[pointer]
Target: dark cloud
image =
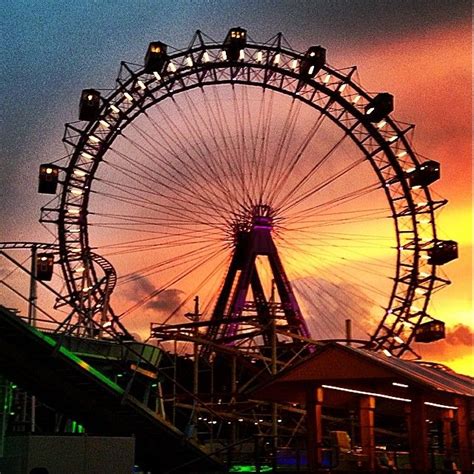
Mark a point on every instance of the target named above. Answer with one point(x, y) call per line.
point(458, 343)
point(460, 335)
point(165, 301)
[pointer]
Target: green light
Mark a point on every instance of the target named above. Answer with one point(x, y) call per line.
point(249, 468)
point(73, 427)
point(79, 361)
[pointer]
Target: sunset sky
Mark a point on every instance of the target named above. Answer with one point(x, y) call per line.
point(420, 51)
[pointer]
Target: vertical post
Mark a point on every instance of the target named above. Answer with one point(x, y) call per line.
point(274, 369)
point(447, 419)
point(463, 433)
point(418, 434)
point(367, 434)
point(233, 390)
point(33, 289)
point(348, 332)
point(314, 428)
point(196, 366)
point(32, 321)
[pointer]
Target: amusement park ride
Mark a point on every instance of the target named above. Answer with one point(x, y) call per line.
point(199, 167)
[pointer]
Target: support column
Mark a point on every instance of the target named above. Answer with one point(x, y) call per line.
point(367, 434)
point(314, 427)
point(418, 435)
point(463, 432)
point(447, 418)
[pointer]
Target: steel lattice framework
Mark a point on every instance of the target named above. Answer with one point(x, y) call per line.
point(332, 92)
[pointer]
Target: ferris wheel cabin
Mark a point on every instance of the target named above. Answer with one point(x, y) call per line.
point(48, 179)
point(430, 332)
point(44, 266)
point(424, 174)
point(313, 60)
point(156, 57)
point(235, 40)
point(89, 105)
point(380, 106)
point(443, 251)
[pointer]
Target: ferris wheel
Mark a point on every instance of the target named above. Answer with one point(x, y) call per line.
point(171, 173)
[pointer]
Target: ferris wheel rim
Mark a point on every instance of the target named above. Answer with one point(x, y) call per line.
point(209, 66)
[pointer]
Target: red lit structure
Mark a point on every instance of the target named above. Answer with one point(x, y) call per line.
point(374, 384)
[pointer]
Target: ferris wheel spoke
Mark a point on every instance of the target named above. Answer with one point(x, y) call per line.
point(166, 184)
point(283, 173)
point(186, 173)
point(219, 268)
point(289, 198)
point(170, 283)
point(336, 202)
point(218, 164)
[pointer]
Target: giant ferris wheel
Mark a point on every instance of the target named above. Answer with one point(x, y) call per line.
point(247, 173)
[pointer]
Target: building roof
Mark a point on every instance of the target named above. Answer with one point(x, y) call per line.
point(336, 363)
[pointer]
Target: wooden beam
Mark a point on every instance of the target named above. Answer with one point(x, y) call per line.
point(314, 406)
point(462, 415)
point(367, 434)
point(418, 435)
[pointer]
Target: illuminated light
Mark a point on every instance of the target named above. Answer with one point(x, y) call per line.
point(276, 59)
point(128, 96)
point(370, 110)
point(312, 53)
point(356, 99)
point(157, 76)
point(94, 139)
point(361, 392)
point(409, 170)
point(343, 86)
point(86, 289)
point(279, 420)
point(425, 257)
point(393, 138)
point(421, 204)
point(424, 274)
point(294, 64)
point(399, 340)
point(256, 423)
point(439, 405)
point(205, 57)
point(398, 384)
point(418, 186)
point(79, 270)
point(260, 421)
point(242, 55)
point(387, 353)
point(86, 155)
point(311, 70)
point(104, 124)
point(381, 124)
point(402, 154)
point(327, 78)
point(421, 291)
point(114, 109)
point(171, 67)
point(73, 231)
point(76, 191)
point(259, 57)
point(75, 250)
point(73, 211)
point(79, 173)
point(49, 170)
point(240, 420)
point(214, 422)
point(229, 422)
point(189, 61)
point(224, 55)
point(141, 85)
point(424, 221)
